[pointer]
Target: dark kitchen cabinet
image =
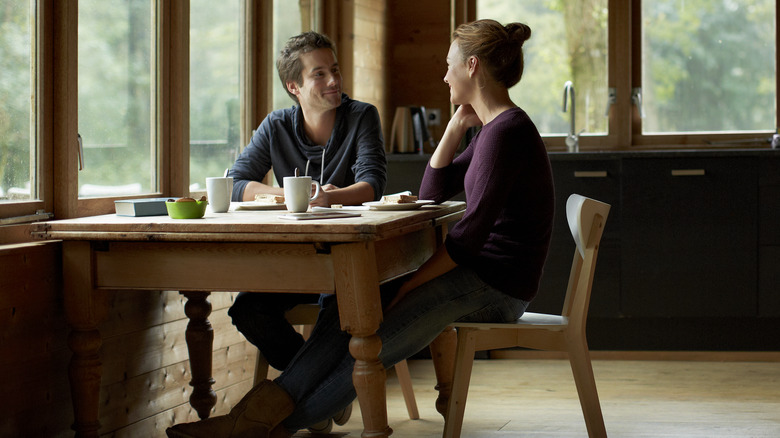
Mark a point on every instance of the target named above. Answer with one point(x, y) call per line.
point(689, 240)
point(598, 179)
point(690, 256)
point(769, 238)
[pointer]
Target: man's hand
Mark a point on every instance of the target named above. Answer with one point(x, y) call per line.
point(356, 194)
point(324, 199)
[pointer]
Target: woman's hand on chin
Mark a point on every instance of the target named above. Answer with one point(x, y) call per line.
point(466, 117)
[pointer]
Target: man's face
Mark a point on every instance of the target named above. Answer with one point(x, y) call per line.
point(320, 88)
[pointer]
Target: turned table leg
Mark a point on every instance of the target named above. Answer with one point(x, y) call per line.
point(200, 342)
point(84, 372)
point(85, 308)
point(360, 311)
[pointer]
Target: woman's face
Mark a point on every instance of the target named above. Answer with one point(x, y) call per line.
point(457, 76)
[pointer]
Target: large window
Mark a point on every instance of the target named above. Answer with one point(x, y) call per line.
point(215, 108)
point(678, 72)
point(18, 102)
point(568, 44)
point(708, 65)
point(116, 100)
point(107, 72)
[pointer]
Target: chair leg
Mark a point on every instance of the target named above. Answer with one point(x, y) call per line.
point(581, 367)
point(405, 379)
point(464, 361)
point(261, 368)
point(443, 355)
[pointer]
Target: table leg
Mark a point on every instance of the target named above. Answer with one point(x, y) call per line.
point(85, 308)
point(360, 311)
point(443, 355)
point(200, 342)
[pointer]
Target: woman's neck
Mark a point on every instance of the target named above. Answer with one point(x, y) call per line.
point(490, 102)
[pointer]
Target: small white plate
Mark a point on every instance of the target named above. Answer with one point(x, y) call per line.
point(379, 205)
point(254, 205)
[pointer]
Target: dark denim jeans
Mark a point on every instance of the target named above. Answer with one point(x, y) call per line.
point(319, 378)
point(260, 318)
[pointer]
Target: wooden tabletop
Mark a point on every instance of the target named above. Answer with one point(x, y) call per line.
point(250, 226)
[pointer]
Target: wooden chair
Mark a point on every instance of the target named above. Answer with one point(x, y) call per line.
point(306, 315)
point(564, 332)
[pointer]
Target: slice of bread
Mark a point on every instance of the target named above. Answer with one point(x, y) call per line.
point(267, 198)
point(399, 199)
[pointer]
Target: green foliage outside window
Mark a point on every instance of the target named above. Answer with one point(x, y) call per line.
point(17, 152)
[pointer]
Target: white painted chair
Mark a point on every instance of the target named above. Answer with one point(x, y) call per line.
point(564, 332)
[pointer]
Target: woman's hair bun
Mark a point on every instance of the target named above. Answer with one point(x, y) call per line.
point(518, 32)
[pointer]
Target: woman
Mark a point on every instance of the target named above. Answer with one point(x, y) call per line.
point(488, 269)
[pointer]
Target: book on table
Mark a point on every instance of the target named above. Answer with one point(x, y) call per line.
point(141, 207)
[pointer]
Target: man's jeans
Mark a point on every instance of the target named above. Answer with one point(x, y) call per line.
point(260, 318)
point(319, 378)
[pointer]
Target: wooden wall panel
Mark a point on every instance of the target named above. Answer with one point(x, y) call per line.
point(418, 41)
point(145, 386)
point(33, 351)
point(368, 75)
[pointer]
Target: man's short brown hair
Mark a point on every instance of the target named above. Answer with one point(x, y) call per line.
point(289, 65)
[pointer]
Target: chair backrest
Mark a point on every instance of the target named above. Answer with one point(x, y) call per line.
point(586, 218)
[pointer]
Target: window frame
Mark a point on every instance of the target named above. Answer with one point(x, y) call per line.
point(43, 90)
point(57, 112)
point(625, 125)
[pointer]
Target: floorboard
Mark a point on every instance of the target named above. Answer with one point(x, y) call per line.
point(639, 398)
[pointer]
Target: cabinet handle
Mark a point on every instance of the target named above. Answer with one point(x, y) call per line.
point(687, 172)
point(590, 174)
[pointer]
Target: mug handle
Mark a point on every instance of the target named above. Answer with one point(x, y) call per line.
point(316, 191)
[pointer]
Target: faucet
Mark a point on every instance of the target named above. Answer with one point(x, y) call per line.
point(572, 140)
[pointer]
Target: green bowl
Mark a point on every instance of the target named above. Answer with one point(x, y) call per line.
point(186, 210)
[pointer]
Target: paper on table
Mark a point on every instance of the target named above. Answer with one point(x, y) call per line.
point(332, 214)
point(346, 207)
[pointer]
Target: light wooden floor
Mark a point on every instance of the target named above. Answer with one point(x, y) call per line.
point(639, 398)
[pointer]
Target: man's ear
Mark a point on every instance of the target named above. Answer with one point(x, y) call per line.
point(292, 87)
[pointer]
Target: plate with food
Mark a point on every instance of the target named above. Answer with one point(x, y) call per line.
point(397, 202)
point(263, 202)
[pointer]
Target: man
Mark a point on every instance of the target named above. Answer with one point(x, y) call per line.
point(326, 122)
point(337, 140)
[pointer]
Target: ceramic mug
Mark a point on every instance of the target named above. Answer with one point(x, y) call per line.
point(297, 193)
point(219, 191)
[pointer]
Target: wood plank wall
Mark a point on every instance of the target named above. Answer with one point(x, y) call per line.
point(418, 41)
point(145, 386)
point(370, 60)
point(33, 343)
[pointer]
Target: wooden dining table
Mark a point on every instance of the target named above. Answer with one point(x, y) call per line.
point(241, 250)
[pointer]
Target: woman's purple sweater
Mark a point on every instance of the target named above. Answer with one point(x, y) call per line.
point(505, 232)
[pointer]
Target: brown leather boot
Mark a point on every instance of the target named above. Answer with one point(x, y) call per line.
point(280, 432)
point(256, 415)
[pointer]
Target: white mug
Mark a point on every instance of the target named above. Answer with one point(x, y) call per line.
point(219, 190)
point(297, 193)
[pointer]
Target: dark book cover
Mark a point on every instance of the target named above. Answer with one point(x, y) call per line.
point(141, 207)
